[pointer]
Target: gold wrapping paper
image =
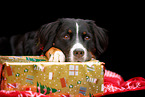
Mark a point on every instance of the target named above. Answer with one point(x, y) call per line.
point(25, 73)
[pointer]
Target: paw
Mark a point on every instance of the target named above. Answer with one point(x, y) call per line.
point(55, 55)
point(58, 56)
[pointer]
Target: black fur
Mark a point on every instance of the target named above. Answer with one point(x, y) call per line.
point(101, 38)
point(31, 43)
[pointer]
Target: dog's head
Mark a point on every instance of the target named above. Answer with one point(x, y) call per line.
point(78, 39)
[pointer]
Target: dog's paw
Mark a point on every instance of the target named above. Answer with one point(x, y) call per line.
point(58, 56)
point(55, 55)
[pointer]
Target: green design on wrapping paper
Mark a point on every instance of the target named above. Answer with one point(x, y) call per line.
point(34, 59)
point(91, 95)
point(87, 77)
point(18, 74)
point(71, 86)
point(26, 70)
point(44, 89)
point(79, 82)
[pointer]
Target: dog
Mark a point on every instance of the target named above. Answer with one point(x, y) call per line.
point(68, 39)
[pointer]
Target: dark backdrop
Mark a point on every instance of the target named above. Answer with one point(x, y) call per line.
point(125, 54)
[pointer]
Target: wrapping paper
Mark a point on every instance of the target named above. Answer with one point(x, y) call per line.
point(73, 78)
point(113, 83)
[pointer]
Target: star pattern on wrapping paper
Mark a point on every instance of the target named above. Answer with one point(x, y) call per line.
point(79, 82)
point(87, 77)
point(26, 70)
point(17, 75)
point(71, 86)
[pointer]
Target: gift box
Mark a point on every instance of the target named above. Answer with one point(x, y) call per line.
point(35, 73)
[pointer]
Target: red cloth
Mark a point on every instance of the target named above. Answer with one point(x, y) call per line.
point(113, 83)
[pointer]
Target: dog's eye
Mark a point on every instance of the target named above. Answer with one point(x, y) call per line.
point(67, 37)
point(87, 38)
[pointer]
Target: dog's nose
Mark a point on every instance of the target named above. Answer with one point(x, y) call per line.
point(78, 52)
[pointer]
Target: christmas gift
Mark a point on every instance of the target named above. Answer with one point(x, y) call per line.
point(25, 73)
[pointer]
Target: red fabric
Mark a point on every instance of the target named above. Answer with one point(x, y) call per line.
point(113, 83)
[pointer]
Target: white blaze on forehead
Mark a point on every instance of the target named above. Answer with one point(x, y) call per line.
point(77, 32)
point(77, 45)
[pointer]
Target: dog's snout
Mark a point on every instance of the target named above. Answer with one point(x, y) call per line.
point(78, 52)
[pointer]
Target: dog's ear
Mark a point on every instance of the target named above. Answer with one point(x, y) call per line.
point(101, 37)
point(47, 33)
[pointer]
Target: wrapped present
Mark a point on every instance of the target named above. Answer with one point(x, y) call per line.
point(35, 73)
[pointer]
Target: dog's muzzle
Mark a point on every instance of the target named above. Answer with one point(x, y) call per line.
point(78, 53)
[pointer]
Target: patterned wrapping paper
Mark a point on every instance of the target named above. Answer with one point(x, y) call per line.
point(44, 77)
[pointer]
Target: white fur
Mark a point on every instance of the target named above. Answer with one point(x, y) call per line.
point(58, 56)
point(77, 33)
point(76, 45)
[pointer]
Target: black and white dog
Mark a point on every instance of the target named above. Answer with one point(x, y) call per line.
point(78, 39)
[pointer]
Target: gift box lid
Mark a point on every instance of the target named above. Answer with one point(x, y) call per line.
point(24, 59)
point(30, 60)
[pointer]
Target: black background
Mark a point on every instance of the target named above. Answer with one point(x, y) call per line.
point(124, 22)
